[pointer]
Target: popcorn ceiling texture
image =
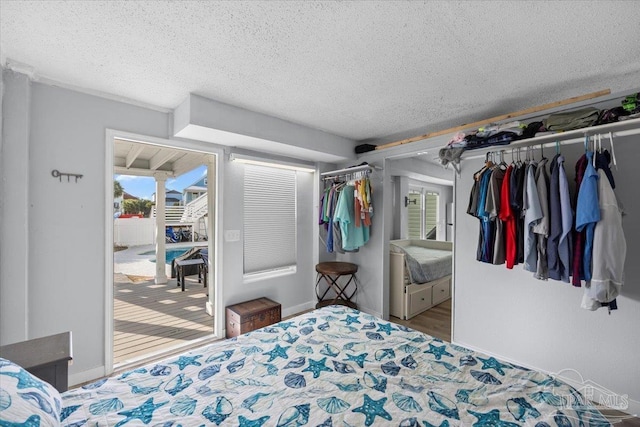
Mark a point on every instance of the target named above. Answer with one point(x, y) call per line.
point(362, 70)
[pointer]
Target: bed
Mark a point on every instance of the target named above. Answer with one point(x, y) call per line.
point(419, 275)
point(334, 366)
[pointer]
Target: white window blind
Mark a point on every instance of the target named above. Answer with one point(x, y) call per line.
point(422, 215)
point(414, 214)
point(431, 214)
point(269, 219)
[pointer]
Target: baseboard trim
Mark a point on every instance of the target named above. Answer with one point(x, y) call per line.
point(296, 309)
point(86, 376)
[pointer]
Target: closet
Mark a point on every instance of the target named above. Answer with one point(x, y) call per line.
point(346, 209)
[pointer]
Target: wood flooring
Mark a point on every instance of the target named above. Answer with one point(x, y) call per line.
point(435, 322)
point(149, 317)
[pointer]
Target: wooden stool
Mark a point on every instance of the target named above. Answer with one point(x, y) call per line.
point(331, 273)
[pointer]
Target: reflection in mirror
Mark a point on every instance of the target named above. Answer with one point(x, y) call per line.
point(422, 199)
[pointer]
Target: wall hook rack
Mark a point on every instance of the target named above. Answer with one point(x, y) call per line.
point(57, 174)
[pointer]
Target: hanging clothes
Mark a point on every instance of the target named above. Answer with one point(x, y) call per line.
point(532, 214)
point(541, 228)
point(588, 212)
point(561, 223)
point(566, 211)
point(492, 206)
point(578, 236)
point(521, 174)
point(609, 250)
point(502, 195)
point(555, 217)
point(485, 242)
point(346, 212)
point(507, 216)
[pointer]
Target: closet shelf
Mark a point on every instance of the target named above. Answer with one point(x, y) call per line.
point(617, 129)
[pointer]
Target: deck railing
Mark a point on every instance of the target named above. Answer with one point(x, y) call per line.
point(190, 213)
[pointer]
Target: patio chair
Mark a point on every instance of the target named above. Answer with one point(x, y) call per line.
point(171, 236)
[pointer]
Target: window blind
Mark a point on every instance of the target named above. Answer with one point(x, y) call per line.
point(430, 212)
point(414, 216)
point(269, 219)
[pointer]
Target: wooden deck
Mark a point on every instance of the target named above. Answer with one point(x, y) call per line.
point(149, 318)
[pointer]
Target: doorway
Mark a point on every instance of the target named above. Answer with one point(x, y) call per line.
point(422, 199)
point(172, 218)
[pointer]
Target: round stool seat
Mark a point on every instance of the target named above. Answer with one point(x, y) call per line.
point(331, 272)
point(336, 267)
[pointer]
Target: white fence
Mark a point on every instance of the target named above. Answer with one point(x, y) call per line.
point(134, 231)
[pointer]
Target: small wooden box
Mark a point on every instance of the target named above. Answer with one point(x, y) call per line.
point(251, 315)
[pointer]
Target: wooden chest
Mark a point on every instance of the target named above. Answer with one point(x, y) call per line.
point(251, 315)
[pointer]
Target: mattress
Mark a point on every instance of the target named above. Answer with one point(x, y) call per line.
point(330, 367)
point(426, 264)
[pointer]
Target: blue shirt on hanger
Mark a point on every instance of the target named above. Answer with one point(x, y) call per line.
point(588, 212)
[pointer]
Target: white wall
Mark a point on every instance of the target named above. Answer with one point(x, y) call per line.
point(14, 210)
point(62, 286)
point(295, 292)
point(540, 323)
point(52, 267)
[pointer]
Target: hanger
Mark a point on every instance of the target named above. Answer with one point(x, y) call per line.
point(519, 163)
point(557, 147)
point(586, 143)
point(503, 165)
point(542, 157)
point(613, 153)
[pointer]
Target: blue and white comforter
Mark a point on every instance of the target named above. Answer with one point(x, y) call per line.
point(330, 367)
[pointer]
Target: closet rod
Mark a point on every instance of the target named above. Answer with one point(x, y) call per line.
point(351, 170)
point(563, 138)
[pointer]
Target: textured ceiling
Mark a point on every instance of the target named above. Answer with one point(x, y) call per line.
point(362, 70)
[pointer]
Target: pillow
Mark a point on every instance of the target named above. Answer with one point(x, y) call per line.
point(26, 399)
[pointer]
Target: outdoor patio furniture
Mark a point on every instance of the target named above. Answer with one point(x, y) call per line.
point(198, 262)
point(189, 254)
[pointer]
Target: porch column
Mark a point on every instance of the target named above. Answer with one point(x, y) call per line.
point(161, 270)
point(212, 185)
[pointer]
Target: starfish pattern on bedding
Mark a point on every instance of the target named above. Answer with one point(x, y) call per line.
point(438, 352)
point(185, 361)
point(387, 328)
point(493, 363)
point(277, 351)
point(143, 412)
point(286, 325)
point(491, 419)
point(372, 408)
point(359, 359)
point(351, 319)
point(317, 366)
